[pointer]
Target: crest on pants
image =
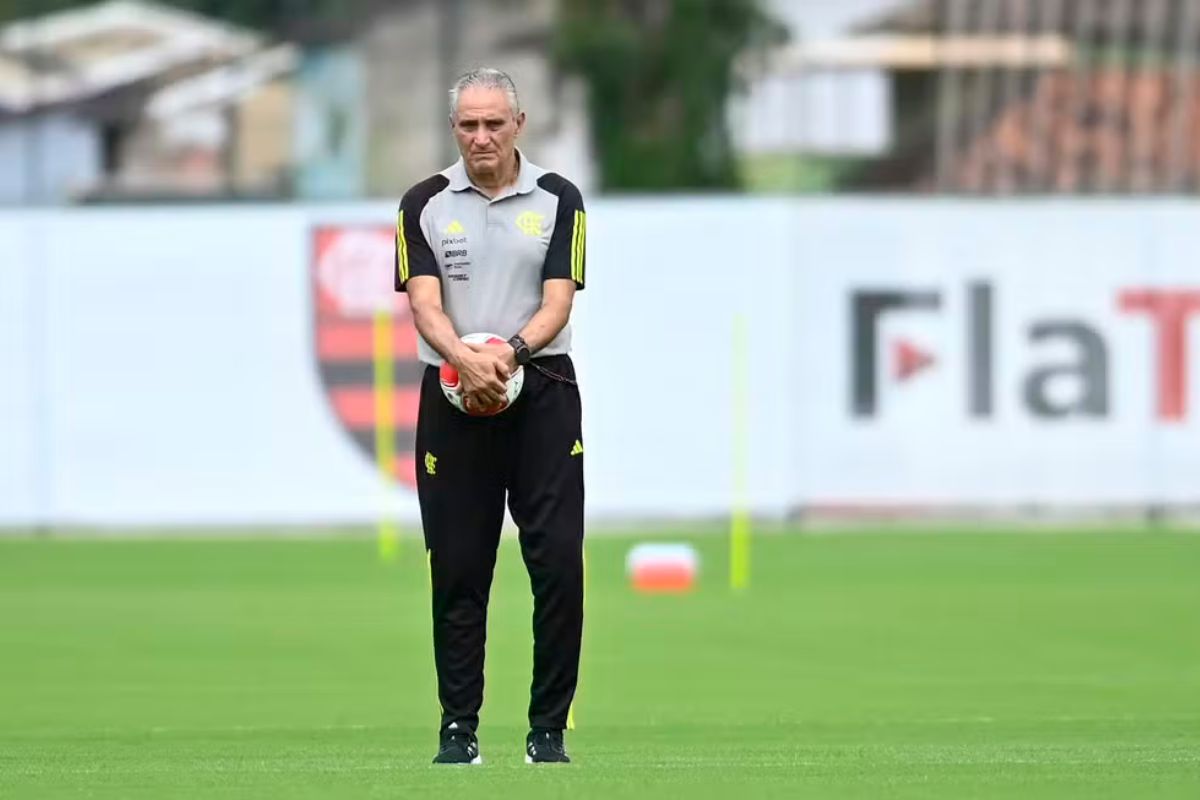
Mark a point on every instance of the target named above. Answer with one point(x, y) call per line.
point(365, 344)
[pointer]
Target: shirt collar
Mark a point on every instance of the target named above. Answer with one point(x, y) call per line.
point(527, 176)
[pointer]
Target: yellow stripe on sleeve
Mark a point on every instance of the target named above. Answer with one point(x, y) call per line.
point(574, 244)
point(401, 248)
point(578, 237)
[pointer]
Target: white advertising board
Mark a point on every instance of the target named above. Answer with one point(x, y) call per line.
point(212, 365)
point(980, 354)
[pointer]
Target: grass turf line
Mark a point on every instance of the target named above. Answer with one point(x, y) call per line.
point(925, 665)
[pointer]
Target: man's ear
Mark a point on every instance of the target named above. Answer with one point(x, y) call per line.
point(520, 122)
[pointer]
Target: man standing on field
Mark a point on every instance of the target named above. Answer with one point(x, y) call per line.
point(495, 244)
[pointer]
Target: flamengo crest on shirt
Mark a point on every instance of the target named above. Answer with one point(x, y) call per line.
point(531, 223)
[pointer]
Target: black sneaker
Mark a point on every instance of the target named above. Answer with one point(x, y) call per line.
point(545, 747)
point(458, 747)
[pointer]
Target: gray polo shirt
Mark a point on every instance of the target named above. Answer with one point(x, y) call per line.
point(492, 254)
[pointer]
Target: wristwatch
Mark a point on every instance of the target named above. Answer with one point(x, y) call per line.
point(521, 349)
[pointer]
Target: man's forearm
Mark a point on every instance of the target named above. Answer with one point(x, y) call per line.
point(436, 329)
point(546, 323)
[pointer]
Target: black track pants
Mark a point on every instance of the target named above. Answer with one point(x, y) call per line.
point(465, 467)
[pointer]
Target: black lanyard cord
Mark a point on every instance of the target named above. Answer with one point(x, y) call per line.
point(552, 375)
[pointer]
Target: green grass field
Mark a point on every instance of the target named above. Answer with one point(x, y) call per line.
point(868, 665)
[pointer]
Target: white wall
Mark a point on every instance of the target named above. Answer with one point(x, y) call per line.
point(158, 365)
point(19, 422)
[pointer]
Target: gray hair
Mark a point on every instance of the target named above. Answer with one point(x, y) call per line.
point(485, 78)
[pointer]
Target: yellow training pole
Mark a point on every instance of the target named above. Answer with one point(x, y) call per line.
point(739, 525)
point(385, 426)
point(571, 708)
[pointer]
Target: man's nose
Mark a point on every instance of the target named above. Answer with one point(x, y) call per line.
point(481, 137)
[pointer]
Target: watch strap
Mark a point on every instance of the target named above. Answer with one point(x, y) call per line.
point(521, 348)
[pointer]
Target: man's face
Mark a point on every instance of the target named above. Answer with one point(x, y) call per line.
point(485, 128)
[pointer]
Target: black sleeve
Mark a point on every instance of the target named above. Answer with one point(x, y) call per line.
point(414, 256)
point(566, 257)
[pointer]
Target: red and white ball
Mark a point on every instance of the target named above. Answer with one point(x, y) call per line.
point(452, 385)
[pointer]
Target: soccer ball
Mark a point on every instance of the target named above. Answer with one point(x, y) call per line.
point(452, 386)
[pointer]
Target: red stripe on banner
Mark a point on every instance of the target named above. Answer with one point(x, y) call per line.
point(356, 406)
point(405, 468)
point(356, 340)
point(327, 305)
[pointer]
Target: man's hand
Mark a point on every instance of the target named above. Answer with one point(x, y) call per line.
point(502, 350)
point(504, 365)
point(484, 371)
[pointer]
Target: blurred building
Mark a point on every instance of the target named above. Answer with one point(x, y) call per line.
point(1058, 96)
point(813, 96)
point(129, 100)
point(412, 50)
point(979, 96)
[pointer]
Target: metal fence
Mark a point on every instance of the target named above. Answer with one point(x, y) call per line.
point(1117, 116)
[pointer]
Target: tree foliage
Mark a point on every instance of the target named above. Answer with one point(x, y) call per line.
point(659, 75)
